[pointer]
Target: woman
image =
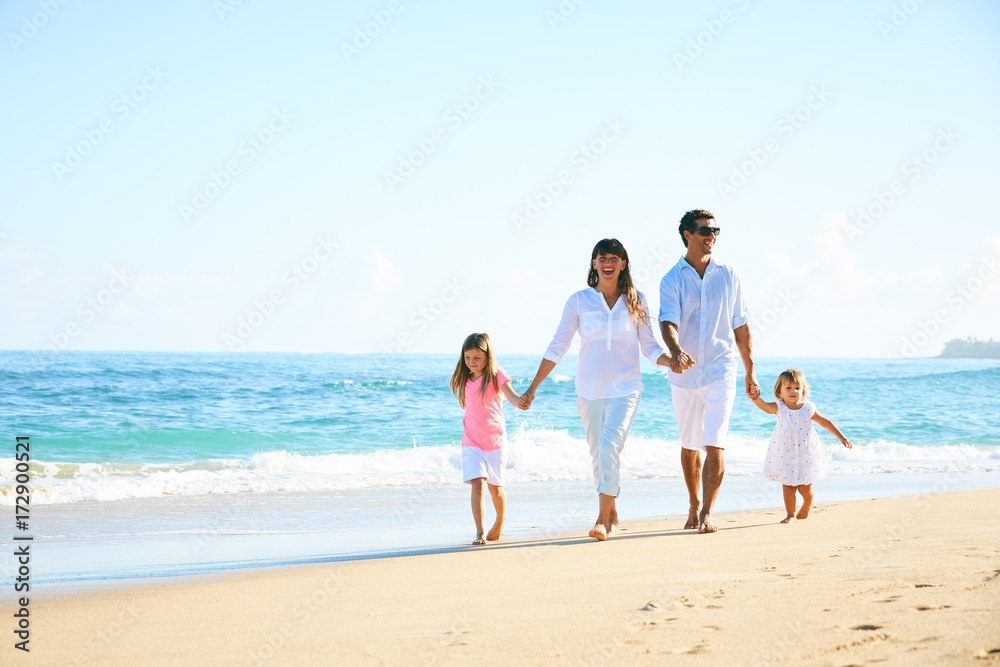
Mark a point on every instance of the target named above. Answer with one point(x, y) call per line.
point(613, 321)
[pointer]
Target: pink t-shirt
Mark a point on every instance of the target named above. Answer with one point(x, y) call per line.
point(484, 426)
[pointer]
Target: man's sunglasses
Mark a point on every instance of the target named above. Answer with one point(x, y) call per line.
point(707, 231)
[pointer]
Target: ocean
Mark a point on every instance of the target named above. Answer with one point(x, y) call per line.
point(153, 464)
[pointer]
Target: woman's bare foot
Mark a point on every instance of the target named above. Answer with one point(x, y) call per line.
point(495, 531)
point(599, 533)
point(612, 523)
point(479, 539)
point(788, 519)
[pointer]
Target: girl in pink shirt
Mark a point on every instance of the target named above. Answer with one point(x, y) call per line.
point(477, 383)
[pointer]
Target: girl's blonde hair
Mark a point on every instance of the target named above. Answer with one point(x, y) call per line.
point(625, 285)
point(476, 341)
point(791, 376)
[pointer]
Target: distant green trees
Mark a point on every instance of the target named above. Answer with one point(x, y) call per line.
point(972, 348)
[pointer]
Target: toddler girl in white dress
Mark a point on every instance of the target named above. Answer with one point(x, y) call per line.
point(795, 455)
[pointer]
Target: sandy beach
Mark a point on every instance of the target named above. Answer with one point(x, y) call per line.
point(902, 581)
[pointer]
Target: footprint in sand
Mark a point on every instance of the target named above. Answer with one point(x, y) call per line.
point(867, 627)
point(891, 598)
point(691, 650)
point(988, 654)
point(926, 608)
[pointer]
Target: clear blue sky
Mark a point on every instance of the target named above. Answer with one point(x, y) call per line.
point(310, 119)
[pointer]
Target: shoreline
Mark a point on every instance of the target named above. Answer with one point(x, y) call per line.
point(905, 580)
point(94, 546)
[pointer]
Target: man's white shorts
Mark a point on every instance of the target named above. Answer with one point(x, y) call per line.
point(490, 464)
point(703, 413)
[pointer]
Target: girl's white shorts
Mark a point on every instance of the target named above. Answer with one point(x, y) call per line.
point(490, 464)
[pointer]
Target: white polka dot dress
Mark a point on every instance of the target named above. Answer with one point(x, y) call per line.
point(795, 454)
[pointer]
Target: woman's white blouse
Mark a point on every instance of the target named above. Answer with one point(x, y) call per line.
point(610, 344)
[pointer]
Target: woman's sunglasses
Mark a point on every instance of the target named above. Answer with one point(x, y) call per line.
point(708, 231)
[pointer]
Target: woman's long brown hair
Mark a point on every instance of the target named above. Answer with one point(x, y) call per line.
point(625, 285)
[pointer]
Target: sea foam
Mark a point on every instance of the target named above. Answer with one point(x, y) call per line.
point(533, 455)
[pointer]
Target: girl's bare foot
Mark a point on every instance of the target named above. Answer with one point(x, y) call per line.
point(479, 539)
point(599, 533)
point(803, 513)
point(495, 531)
point(788, 519)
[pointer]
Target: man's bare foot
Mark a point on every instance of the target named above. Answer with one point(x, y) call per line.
point(788, 519)
point(479, 539)
point(692, 521)
point(706, 525)
point(599, 533)
point(803, 513)
point(495, 531)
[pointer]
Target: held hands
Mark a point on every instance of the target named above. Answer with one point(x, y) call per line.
point(753, 389)
point(526, 399)
point(681, 362)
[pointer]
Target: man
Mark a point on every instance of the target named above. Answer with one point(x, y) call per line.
point(704, 321)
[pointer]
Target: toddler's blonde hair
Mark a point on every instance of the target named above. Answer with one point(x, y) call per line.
point(791, 376)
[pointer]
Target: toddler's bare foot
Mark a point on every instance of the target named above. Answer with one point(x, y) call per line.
point(495, 531)
point(788, 519)
point(479, 539)
point(599, 533)
point(803, 513)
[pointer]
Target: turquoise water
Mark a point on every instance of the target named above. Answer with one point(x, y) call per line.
point(110, 426)
point(167, 464)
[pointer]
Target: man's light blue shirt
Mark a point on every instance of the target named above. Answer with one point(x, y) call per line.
point(705, 310)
